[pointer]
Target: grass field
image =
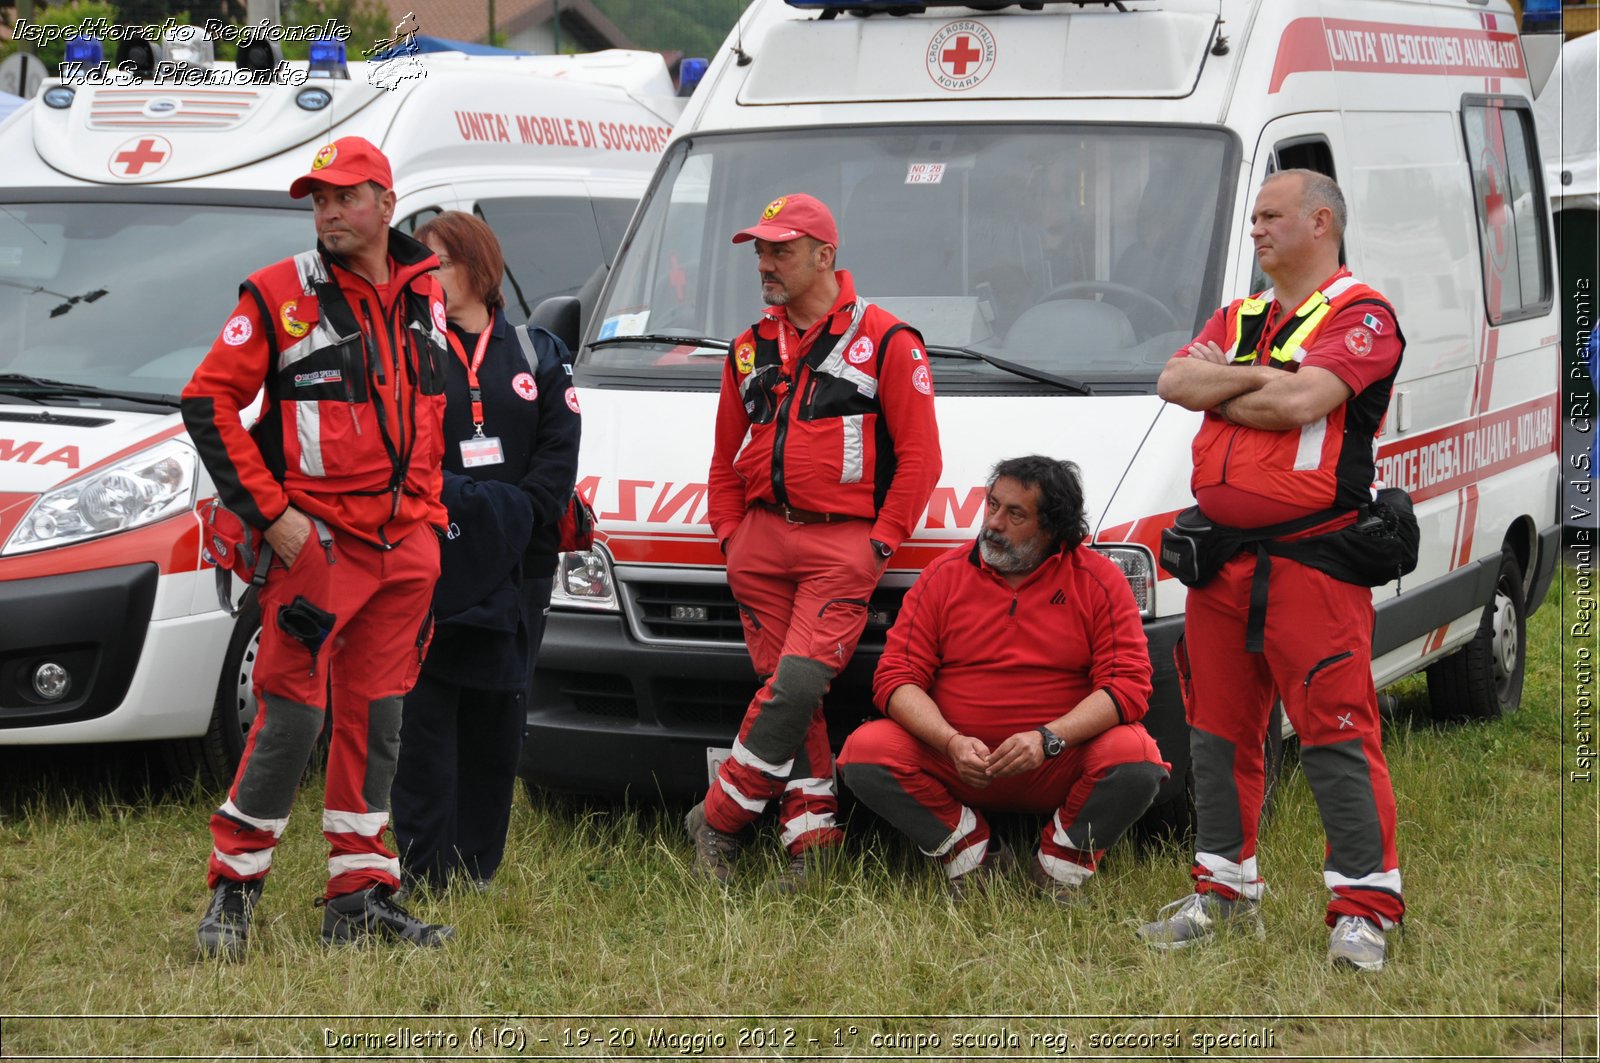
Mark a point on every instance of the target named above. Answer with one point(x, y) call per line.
point(596, 939)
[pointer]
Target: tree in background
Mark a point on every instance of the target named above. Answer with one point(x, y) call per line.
point(693, 27)
point(70, 13)
point(367, 20)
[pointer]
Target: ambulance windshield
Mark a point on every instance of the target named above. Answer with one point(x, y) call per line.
point(1091, 251)
point(126, 297)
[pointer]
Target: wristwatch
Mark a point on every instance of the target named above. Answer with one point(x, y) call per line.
point(883, 549)
point(1053, 745)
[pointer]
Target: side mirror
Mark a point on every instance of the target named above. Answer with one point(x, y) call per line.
point(562, 315)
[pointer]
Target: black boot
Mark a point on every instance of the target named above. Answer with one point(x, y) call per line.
point(353, 916)
point(225, 928)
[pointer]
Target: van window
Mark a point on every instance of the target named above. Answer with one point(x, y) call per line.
point(1297, 153)
point(87, 288)
point(1512, 233)
point(552, 244)
point(1091, 251)
point(412, 222)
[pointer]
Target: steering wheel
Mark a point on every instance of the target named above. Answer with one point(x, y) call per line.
point(1134, 295)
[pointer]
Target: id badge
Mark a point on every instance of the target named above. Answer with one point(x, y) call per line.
point(481, 450)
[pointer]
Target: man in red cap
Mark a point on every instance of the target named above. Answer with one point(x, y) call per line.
point(826, 452)
point(341, 476)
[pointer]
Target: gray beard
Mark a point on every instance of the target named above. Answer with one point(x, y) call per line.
point(1001, 556)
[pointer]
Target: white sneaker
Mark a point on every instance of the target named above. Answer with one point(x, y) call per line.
point(1198, 917)
point(1357, 944)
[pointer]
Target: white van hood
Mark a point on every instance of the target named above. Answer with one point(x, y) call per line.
point(659, 446)
point(44, 446)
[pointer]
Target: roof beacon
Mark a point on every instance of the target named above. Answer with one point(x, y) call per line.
point(328, 60)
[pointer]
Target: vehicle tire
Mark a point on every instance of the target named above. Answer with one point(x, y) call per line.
point(214, 756)
point(1483, 679)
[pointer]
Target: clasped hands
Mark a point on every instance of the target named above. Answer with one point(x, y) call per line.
point(978, 766)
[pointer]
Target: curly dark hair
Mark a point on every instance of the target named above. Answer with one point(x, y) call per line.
point(1060, 487)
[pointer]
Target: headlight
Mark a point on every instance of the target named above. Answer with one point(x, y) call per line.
point(150, 486)
point(583, 581)
point(1140, 569)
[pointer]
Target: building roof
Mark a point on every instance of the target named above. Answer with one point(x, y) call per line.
point(582, 22)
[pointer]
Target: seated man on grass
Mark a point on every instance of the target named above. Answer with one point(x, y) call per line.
point(1014, 680)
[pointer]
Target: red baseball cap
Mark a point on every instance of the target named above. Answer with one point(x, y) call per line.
point(347, 161)
point(790, 217)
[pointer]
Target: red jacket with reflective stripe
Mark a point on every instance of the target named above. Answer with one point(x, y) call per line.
point(1320, 465)
point(998, 660)
point(350, 427)
point(849, 428)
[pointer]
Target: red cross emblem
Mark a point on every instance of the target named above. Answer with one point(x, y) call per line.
point(236, 331)
point(524, 385)
point(133, 158)
point(961, 54)
point(956, 59)
point(1495, 210)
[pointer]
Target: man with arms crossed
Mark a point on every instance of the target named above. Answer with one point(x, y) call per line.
point(1294, 383)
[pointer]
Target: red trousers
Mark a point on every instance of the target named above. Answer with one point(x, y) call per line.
point(370, 659)
point(1096, 790)
point(802, 591)
point(1318, 659)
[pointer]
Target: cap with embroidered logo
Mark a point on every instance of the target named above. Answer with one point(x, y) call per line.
point(791, 217)
point(347, 161)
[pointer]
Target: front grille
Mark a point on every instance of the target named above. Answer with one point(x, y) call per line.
point(697, 701)
point(690, 611)
point(664, 611)
point(600, 695)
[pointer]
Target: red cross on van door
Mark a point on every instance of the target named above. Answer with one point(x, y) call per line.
point(961, 54)
point(140, 157)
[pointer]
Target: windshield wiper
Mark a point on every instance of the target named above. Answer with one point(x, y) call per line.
point(1065, 383)
point(22, 384)
point(660, 337)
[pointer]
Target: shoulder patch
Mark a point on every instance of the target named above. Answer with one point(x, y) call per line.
point(1358, 341)
point(744, 359)
point(237, 330)
point(921, 379)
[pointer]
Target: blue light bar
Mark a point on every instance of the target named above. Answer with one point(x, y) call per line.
point(1541, 16)
point(86, 51)
point(328, 60)
point(690, 73)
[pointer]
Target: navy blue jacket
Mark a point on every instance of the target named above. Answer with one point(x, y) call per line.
point(538, 434)
point(504, 516)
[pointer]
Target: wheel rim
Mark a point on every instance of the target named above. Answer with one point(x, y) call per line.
point(244, 697)
point(1507, 645)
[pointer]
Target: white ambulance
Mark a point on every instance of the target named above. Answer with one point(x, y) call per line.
point(1057, 196)
point(130, 211)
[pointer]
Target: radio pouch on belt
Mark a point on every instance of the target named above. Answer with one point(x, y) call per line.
point(236, 549)
point(1379, 545)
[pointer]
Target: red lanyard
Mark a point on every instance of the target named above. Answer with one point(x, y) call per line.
point(473, 391)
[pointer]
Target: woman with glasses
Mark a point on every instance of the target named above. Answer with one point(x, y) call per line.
point(511, 453)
